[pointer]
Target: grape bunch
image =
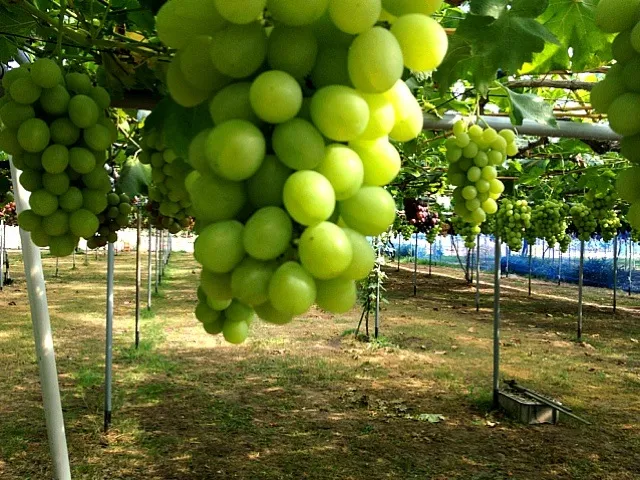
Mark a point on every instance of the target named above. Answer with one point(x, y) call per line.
point(618, 95)
point(168, 192)
point(114, 217)
point(609, 224)
point(402, 227)
point(564, 241)
point(282, 215)
point(488, 227)
point(466, 230)
point(420, 215)
point(548, 222)
point(583, 221)
point(513, 218)
point(57, 130)
point(602, 207)
point(474, 154)
point(8, 214)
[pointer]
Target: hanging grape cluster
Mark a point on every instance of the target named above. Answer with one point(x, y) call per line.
point(474, 154)
point(420, 215)
point(168, 193)
point(582, 221)
point(57, 130)
point(8, 214)
point(282, 216)
point(112, 219)
point(602, 207)
point(466, 230)
point(618, 96)
point(402, 227)
point(513, 219)
point(548, 222)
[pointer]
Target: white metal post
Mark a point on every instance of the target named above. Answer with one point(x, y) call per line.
point(149, 266)
point(2, 243)
point(580, 287)
point(109, 338)
point(138, 276)
point(615, 273)
point(43, 337)
point(496, 322)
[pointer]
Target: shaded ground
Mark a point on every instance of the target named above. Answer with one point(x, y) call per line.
point(309, 401)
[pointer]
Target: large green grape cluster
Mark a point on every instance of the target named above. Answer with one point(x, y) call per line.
point(168, 190)
point(58, 132)
point(466, 230)
point(602, 207)
point(291, 177)
point(474, 154)
point(548, 222)
point(488, 227)
point(114, 217)
point(583, 221)
point(514, 218)
point(618, 95)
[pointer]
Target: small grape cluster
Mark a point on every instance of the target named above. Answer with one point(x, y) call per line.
point(474, 154)
point(168, 174)
point(113, 218)
point(564, 241)
point(602, 207)
point(57, 129)
point(283, 216)
point(466, 230)
point(609, 224)
point(8, 214)
point(402, 227)
point(514, 218)
point(582, 221)
point(488, 227)
point(548, 222)
point(419, 214)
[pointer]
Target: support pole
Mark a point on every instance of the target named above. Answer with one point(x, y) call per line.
point(157, 260)
point(73, 260)
point(398, 251)
point(138, 275)
point(86, 255)
point(56, 274)
point(559, 267)
point(631, 262)
point(109, 338)
point(415, 268)
point(161, 258)
point(430, 256)
point(2, 242)
point(478, 274)
point(507, 265)
point(530, 258)
point(377, 314)
point(580, 286)
point(43, 337)
point(149, 266)
point(615, 273)
point(496, 323)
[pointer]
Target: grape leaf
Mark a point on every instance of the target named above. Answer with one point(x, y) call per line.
point(495, 35)
point(135, 178)
point(574, 25)
point(531, 107)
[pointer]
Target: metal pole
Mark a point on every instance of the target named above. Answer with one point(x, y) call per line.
point(398, 252)
point(478, 274)
point(496, 323)
point(138, 276)
point(149, 267)
point(530, 258)
point(2, 243)
point(615, 273)
point(559, 267)
point(43, 337)
point(430, 256)
point(377, 316)
point(56, 274)
point(109, 338)
point(161, 257)
point(86, 255)
point(580, 285)
point(631, 262)
point(507, 265)
point(157, 260)
point(415, 269)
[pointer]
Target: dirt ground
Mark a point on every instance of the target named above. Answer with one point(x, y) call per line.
point(308, 400)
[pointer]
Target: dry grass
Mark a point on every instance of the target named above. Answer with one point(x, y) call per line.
point(309, 401)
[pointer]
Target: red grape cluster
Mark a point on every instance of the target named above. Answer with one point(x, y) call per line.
point(8, 214)
point(420, 215)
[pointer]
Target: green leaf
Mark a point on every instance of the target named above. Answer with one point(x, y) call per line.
point(500, 39)
point(134, 178)
point(531, 107)
point(573, 23)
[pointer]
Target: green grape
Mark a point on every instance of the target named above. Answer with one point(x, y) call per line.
point(239, 312)
point(56, 183)
point(343, 168)
point(265, 187)
point(292, 50)
point(217, 286)
point(219, 247)
point(331, 67)
point(43, 203)
point(308, 197)
point(240, 11)
point(613, 16)
point(29, 221)
point(55, 158)
point(31, 180)
point(177, 22)
point(250, 281)
point(93, 200)
point(339, 112)
point(100, 96)
point(55, 100)
point(33, 135)
point(205, 314)
point(404, 7)
point(83, 111)
point(62, 246)
point(380, 159)
point(382, 117)
point(337, 295)
point(298, 144)
point(214, 198)
point(292, 290)
point(628, 183)
point(232, 103)
point(275, 96)
point(269, 314)
point(621, 112)
point(82, 160)
point(24, 90)
point(235, 149)
point(325, 250)
point(375, 61)
point(363, 258)
point(356, 211)
point(218, 305)
point(45, 73)
point(409, 117)
point(40, 238)
point(64, 132)
point(239, 50)
point(78, 82)
point(583, 221)
point(354, 16)
point(183, 93)
point(56, 224)
point(14, 114)
point(422, 40)
point(268, 233)
point(513, 219)
point(235, 332)
point(297, 12)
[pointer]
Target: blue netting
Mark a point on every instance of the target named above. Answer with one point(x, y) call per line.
point(547, 264)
